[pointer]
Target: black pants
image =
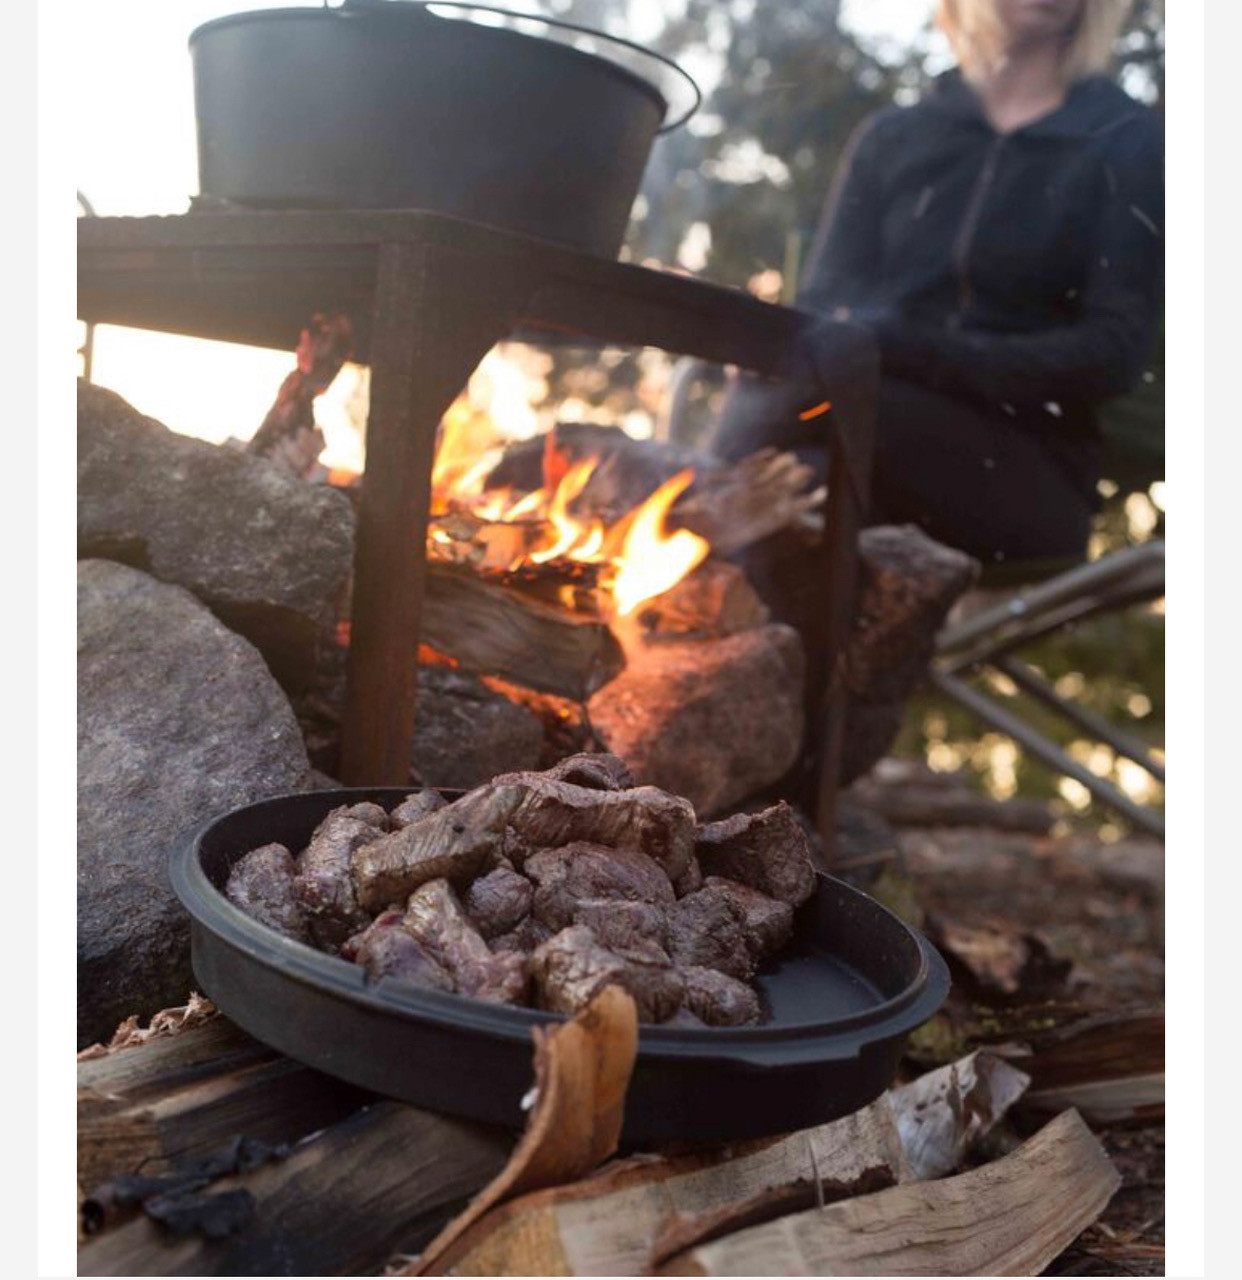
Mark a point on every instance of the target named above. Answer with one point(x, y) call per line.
point(985, 484)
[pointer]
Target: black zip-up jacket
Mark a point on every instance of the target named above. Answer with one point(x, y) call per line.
point(1020, 270)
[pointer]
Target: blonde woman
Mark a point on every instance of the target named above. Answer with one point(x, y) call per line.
point(1002, 239)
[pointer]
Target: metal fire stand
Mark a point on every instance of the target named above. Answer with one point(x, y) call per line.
point(428, 296)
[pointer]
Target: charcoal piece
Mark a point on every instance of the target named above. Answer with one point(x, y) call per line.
point(643, 819)
point(324, 885)
point(435, 918)
point(766, 922)
point(213, 1214)
point(598, 770)
point(705, 930)
point(717, 999)
point(577, 872)
point(454, 843)
point(498, 901)
point(690, 880)
point(571, 967)
point(262, 885)
point(528, 935)
point(386, 949)
point(622, 926)
point(415, 806)
point(768, 851)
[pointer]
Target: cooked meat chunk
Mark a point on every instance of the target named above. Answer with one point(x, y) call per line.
point(705, 930)
point(684, 1020)
point(498, 902)
point(324, 886)
point(766, 922)
point(596, 769)
point(623, 926)
point(415, 806)
point(552, 814)
point(567, 876)
point(768, 851)
point(436, 920)
point(690, 880)
point(572, 967)
point(387, 949)
point(455, 843)
point(372, 814)
point(525, 938)
point(261, 884)
point(719, 1000)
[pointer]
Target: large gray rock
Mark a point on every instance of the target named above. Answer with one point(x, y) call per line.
point(712, 720)
point(465, 733)
point(178, 719)
point(270, 554)
point(908, 582)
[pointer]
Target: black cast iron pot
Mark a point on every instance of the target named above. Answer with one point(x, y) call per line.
point(853, 983)
point(382, 104)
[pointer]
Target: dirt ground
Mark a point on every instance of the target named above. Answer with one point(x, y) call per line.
point(1053, 942)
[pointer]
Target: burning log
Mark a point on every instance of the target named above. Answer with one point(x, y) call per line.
point(716, 599)
point(496, 630)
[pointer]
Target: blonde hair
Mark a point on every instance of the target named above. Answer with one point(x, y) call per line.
point(975, 32)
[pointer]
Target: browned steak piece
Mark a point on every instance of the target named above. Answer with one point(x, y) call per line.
point(498, 902)
point(643, 819)
point(768, 851)
point(435, 918)
point(720, 1001)
point(623, 926)
point(766, 922)
point(525, 938)
point(705, 930)
point(324, 886)
point(572, 967)
point(387, 949)
point(415, 806)
point(261, 884)
point(684, 1020)
point(690, 880)
point(372, 814)
point(567, 876)
point(596, 769)
point(455, 843)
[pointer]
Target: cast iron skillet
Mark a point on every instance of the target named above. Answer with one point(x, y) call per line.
point(854, 982)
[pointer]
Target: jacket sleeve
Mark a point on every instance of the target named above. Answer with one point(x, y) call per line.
point(844, 260)
point(1099, 355)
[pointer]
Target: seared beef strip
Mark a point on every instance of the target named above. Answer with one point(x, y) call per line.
point(387, 949)
point(261, 884)
point(705, 930)
point(572, 967)
point(372, 814)
point(717, 999)
point(768, 851)
point(566, 876)
point(622, 926)
point(456, 842)
point(684, 1020)
point(766, 922)
point(528, 934)
point(436, 920)
point(596, 769)
point(414, 807)
point(498, 901)
point(324, 886)
point(690, 880)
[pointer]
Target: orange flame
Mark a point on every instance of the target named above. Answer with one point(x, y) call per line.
point(652, 560)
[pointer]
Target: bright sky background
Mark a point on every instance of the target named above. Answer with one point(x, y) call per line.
point(136, 154)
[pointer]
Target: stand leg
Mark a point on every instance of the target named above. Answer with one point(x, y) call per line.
point(422, 353)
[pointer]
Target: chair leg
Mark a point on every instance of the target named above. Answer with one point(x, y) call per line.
point(1044, 749)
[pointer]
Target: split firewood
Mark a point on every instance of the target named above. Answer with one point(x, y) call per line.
point(582, 1073)
point(733, 507)
point(1011, 1217)
point(638, 1211)
point(498, 630)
